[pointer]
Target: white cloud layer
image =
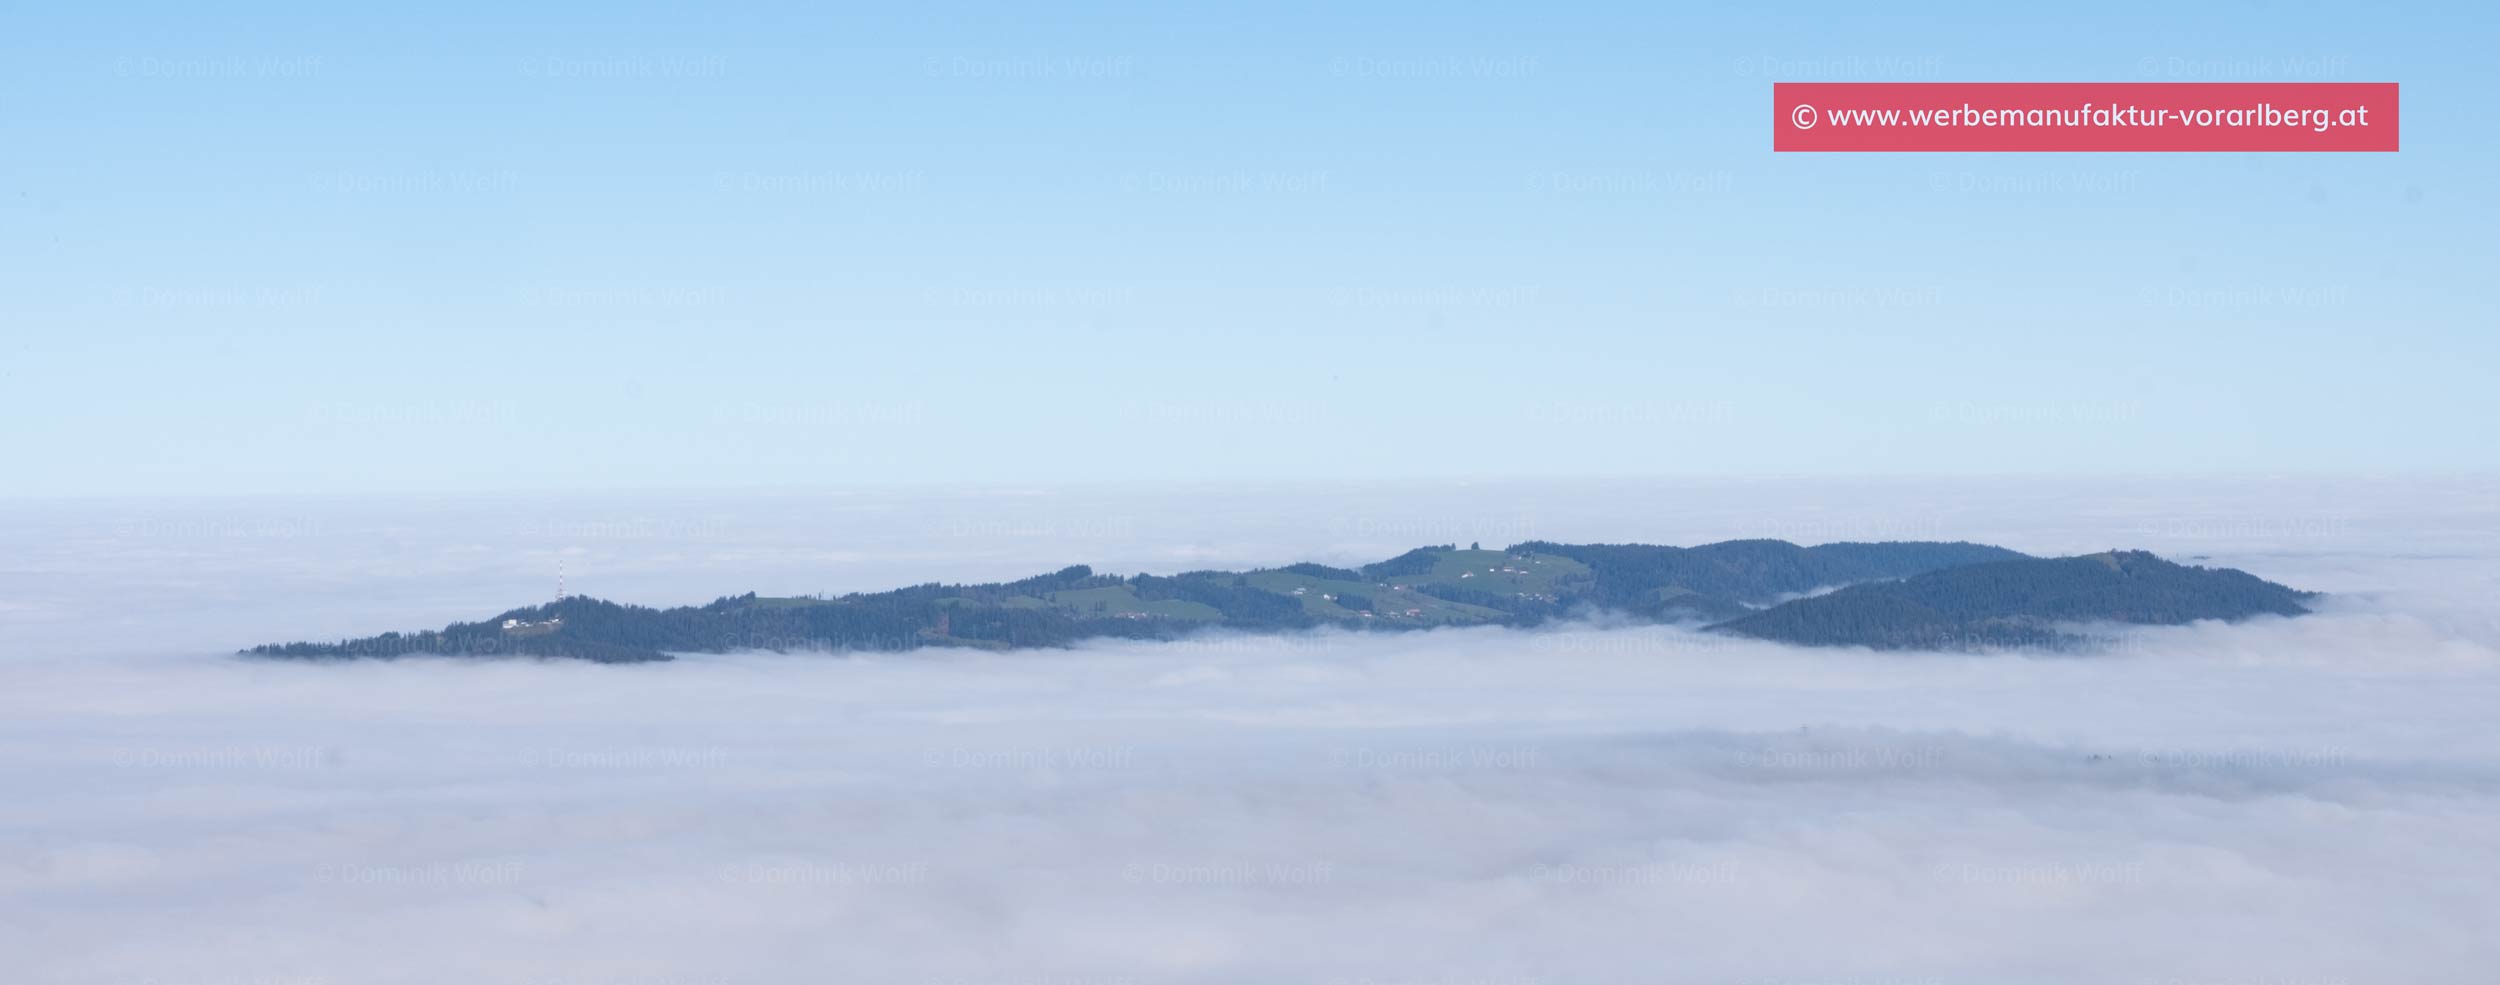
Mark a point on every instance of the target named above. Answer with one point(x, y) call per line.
point(2286, 801)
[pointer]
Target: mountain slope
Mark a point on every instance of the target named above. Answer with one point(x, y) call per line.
point(1423, 588)
point(1652, 580)
point(2019, 603)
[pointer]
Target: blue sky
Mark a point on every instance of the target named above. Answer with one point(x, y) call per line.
point(274, 248)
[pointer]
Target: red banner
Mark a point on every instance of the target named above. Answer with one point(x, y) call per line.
point(2083, 116)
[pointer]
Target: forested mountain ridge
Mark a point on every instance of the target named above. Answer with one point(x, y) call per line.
point(2020, 603)
point(1650, 580)
point(1735, 583)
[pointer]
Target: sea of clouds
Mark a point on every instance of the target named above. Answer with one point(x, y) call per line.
point(2314, 800)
